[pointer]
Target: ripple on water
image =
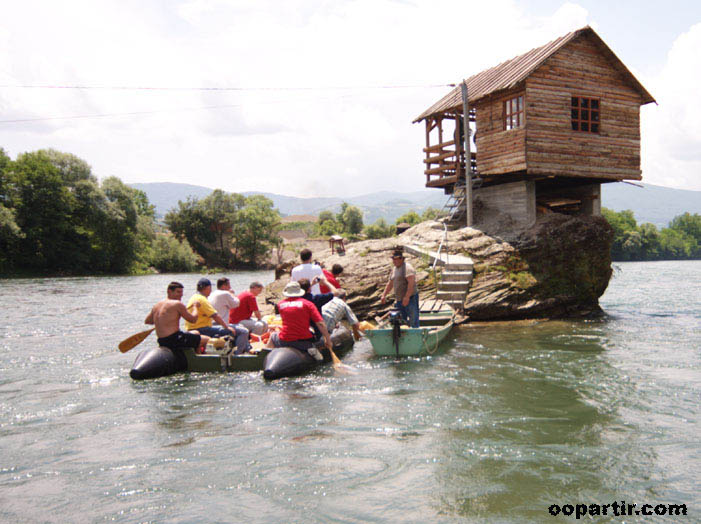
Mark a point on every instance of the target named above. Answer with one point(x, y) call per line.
point(510, 418)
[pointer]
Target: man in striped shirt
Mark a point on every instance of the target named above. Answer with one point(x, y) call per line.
point(336, 310)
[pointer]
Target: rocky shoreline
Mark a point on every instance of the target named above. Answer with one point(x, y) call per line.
point(558, 268)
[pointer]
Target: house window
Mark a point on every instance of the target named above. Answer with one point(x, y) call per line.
point(513, 113)
point(585, 114)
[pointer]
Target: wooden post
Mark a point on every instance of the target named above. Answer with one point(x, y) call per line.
point(468, 154)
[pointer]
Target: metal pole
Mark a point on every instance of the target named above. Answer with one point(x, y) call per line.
point(468, 155)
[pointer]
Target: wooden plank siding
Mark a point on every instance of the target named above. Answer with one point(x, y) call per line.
point(552, 147)
point(498, 151)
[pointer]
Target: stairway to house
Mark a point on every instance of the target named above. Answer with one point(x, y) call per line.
point(456, 277)
point(454, 210)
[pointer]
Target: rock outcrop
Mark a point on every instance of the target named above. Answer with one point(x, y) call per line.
point(557, 268)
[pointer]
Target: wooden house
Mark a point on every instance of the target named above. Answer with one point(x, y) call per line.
point(550, 126)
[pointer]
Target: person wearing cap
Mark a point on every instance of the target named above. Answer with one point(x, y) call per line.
point(206, 313)
point(403, 280)
point(297, 314)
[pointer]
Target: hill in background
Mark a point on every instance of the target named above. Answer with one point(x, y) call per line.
point(383, 204)
point(655, 204)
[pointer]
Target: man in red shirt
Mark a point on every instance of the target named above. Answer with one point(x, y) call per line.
point(297, 313)
point(331, 276)
point(248, 307)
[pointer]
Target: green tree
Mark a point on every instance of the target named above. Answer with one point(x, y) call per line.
point(43, 207)
point(650, 239)
point(327, 224)
point(56, 217)
point(622, 222)
point(10, 232)
point(226, 229)
point(352, 220)
point(325, 215)
point(688, 224)
point(380, 229)
point(172, 255)
point(412, 218)
point(119, 230)
point(256, 231)
point(329, 227)
point(675, 244)
point(430, 213)
point(208, 225)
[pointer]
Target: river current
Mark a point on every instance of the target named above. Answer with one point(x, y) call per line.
point(507, 421)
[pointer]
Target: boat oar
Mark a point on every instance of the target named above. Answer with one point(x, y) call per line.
point(340, 366)
point(134, 340)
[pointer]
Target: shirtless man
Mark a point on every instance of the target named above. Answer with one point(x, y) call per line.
point(166, 314)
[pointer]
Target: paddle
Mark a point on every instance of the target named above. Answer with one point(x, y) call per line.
point(134, 340)
point(340, 366)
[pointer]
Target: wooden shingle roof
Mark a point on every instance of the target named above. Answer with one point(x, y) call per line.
point(509, 74)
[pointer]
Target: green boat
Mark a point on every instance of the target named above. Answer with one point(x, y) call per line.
point(213, 362)
point(394, 341)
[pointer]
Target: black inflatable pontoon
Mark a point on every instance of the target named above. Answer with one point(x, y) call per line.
point(280, 362)
point(289, 362)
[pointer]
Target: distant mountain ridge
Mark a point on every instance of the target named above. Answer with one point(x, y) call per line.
point(655, 204)
point(382, 204)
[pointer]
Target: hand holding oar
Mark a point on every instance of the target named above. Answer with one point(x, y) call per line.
point(134, 340)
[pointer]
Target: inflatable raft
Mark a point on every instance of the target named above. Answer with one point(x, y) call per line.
point(277, 363)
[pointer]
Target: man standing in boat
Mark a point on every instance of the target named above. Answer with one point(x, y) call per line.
point(307, 270)
point(165, 316)
point(403, 280)
point(297, 314)
point(206, 313)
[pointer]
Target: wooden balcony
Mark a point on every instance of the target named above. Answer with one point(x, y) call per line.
point(445, 164)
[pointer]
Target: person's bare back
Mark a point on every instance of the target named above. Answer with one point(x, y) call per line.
point(166, 314)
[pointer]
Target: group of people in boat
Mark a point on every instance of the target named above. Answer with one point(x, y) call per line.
point(314, 304)
point(205, 307)
point(306, 304)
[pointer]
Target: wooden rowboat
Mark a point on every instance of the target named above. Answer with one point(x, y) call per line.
point(425, 340)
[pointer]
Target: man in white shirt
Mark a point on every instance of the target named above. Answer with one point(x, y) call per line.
point(307, 270)
point(224, 299)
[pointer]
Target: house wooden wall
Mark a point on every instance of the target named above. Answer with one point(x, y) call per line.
point(498, 151)
point(552, 148)
point(546, 144)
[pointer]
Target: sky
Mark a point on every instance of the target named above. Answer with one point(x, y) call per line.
point(307, 98)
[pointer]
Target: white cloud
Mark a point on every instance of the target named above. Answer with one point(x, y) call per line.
point(671, 132)
point(295, 142)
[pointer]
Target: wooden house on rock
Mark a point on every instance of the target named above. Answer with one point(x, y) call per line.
point(550, 127)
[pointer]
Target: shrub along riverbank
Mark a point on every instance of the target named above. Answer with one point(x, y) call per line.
point(56, 218)
point(681, 240)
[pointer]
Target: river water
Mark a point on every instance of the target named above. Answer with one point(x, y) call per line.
point(509, 420)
